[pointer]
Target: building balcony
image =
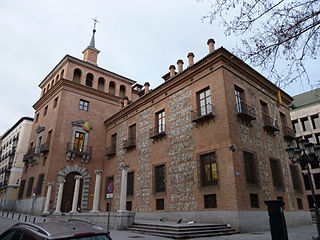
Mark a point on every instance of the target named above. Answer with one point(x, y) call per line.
point(204, 113)
point(157, 132)
point(44, 148)
point(111, 151)
point(129, 144)
point(31, 156)
point(246, 112)
point(270, 125)
point(288, 133)
point(84, 151)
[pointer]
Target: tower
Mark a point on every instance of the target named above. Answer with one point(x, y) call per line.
point(90, 54)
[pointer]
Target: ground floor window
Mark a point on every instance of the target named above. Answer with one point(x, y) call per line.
point(160, 204)
point(210, 201)
point(254, 200)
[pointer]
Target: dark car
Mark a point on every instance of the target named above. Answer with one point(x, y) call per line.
point(71, 229)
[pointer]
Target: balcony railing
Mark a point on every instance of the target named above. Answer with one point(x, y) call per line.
point(269, 124)
point(44, 148)
point(157, 132)
point(202, 113)
point(245, 111)
point(83, 151)
point(288, 133)
point(31, 156)
point(129, 144)
point(111, 151)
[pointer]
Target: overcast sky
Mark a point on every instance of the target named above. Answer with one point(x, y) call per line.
point(137, 39)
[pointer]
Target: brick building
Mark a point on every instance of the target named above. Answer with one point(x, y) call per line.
point(73, 93)
point(14, 145)
point(305, 116)
point(207, 145)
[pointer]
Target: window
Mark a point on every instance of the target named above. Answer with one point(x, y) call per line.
point(204, 102)
point(21, 189)
point(309, 138)
point(29, 188)
point(239, 94)
point(132, 132)
point(299, 202)
point(296, 126)
point(160, 178)
point(160, 204)
point(264, 108)
point(89, 79)
point(295, 176)
point(305, 124)
point(160, 121)
point(76, 75)
point(254, 200)
point(316, 178)
point(38, 145)
point(283, 119)
point(208, 166)
point(84, 105)
point(276, 173)
point(210, 201)
point(130, 180)
point(306, 182)
point(45, 111)
point(129, 205)
point(122, 92)
point(78, 141)
point(55, 103)
point(250, 167)
point(112, 88)
point(37, 117)
point(101, 84)
point(114, 140)
point(39, 184)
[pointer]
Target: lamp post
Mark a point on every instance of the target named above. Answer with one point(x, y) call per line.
point(305, 154)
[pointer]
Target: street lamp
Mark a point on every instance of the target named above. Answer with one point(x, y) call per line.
point(305, 154)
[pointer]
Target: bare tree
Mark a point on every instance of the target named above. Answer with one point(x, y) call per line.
point(279, 36)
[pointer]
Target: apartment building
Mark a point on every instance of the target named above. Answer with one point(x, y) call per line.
point(14, 146)
point(305, 117)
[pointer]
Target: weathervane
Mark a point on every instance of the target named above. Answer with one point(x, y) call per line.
point(95, 21)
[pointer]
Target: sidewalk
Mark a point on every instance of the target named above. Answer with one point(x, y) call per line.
point(297, 233)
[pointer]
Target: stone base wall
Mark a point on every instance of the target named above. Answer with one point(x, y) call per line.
point(243, 221)
point(30, 206)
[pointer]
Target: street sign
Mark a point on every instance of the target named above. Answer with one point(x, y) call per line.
point(109, 195)
point(110, 187)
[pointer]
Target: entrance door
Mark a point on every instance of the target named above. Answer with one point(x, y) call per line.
point(68, 191)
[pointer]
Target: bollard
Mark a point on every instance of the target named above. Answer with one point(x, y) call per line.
point(277, 220)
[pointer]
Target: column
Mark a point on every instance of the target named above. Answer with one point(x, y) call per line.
point(59, 199)
point(96, 197)
point(123, 190)
point(47, 203)
point(76, 194)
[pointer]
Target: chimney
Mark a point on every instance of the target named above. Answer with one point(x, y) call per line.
point(172, 69)
point(190, 58)
point(125, 101)
point(146, 87)
point(211, 43)
point(120, 103)
point(180, 65)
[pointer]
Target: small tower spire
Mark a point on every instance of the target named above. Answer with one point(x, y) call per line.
point(91, 53)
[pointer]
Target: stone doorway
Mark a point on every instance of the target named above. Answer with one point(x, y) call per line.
point(68, 191)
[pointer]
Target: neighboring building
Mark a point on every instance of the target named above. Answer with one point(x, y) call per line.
point(207, 145)
point(14, 147)
point(305, 117)
point(73, 93)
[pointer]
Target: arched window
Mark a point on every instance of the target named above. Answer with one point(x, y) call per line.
point(89, 79)
point(44, 91)
point(52, 82)
point(62, 72)
point(57, 78)
point(48, 86)
point(76, 75)
point(122, 93)
point(101, 84)
point(112, 88)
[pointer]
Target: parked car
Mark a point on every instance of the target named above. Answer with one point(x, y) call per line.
point(71, 229)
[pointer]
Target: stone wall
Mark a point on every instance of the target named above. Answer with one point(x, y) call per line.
point(181, 166)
